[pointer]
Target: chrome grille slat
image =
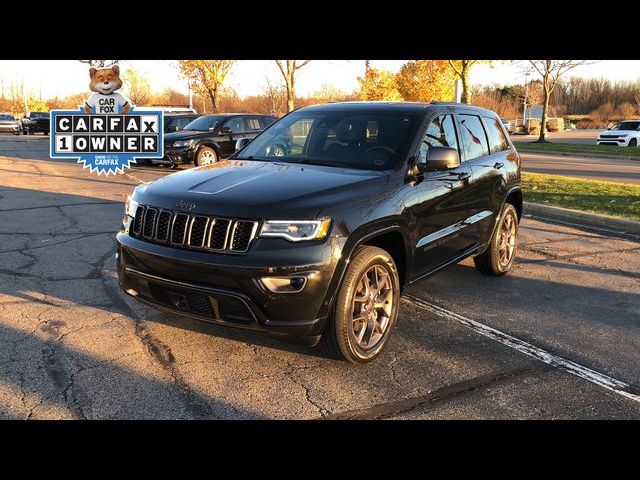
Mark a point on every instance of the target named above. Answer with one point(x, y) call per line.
point(138, 220)
point(218, 234)
point(149, 227)
point(242, 234)
point(164, 226)
point(198, 232)
point(179, 228)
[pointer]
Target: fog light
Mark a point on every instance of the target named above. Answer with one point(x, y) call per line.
point(284, 284)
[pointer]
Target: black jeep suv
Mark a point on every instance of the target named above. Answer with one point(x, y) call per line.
point(210, 137)
point(34, 122)
point(314, 228)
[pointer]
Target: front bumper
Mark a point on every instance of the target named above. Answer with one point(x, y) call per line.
point(175, 156)
point(622, 142)
point(226, 288)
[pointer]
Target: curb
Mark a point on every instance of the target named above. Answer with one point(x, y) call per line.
point(578, 155)
point(600, 222)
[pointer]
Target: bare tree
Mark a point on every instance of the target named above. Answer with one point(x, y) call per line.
point(275, 96)
point(551, 72)
point(288, 68)
point(462, 68)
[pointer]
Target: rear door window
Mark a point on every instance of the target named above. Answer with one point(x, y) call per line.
point(474, 138)
point(497, 139)
point(253, 124)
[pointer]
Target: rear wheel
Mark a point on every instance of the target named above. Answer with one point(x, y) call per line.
point(498, 258)
point(633, 142)
point(366, 307)
point(206, 156)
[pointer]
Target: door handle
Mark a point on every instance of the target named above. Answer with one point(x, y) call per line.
point(498, 165)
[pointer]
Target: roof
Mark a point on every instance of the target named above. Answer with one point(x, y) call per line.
point(400, 107)
point(233, 114)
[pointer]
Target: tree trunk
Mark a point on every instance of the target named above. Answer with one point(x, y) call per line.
point(213, 96)
point(291, 93)
point(466, 90)
point(545, 109)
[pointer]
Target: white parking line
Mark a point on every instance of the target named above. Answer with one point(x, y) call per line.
point(581, 371)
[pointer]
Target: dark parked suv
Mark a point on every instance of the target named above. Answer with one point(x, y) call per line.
point(210, 137)
point(34, 122)
point(316, 226)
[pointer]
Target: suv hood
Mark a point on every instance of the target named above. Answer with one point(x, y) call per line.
point(186, 135)
point(618, 132)
point(244, 189)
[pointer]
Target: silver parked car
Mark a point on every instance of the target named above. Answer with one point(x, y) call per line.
point(8, 123)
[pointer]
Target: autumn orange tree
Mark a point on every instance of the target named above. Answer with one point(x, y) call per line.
point(207, 76)
point(378, 85)
point(426, 81)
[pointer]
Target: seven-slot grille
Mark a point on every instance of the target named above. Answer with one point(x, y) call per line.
point(193, 231)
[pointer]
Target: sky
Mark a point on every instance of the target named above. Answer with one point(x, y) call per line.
point(52, 78)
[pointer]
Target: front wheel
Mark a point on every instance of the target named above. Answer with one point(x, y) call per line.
point(366, 307)
point(498, 258)
point(633, 142)
point(206, 156)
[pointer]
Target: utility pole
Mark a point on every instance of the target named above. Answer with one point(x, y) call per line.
point(526, 92)
point(458, 94)
point(190, 95)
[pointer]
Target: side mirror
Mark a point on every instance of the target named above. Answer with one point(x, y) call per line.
point(240, 144)
point(440, 158)
point(225, 131)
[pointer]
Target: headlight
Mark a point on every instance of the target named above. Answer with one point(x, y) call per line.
point(130, 207)
point(296, 231)
point(624, 135)
point(182, 143)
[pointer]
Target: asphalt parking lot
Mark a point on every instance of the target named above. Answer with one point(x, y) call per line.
point(466, 346)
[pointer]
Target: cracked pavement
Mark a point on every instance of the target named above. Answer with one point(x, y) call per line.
point(73, 347)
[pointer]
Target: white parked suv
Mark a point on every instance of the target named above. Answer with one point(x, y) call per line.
point(625, 134)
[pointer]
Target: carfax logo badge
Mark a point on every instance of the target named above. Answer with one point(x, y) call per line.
point(106, 134)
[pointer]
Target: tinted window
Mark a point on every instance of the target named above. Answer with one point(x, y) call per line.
point(627, 126)
point(253, 124)
point(497, 139)
point(441, 132)
point(204, 123)
point(236, 124)
point(474, 140)
point(6, 117)
point(266, 121)
point(360, 140)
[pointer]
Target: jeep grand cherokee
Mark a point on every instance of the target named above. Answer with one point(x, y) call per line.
point(316, 226)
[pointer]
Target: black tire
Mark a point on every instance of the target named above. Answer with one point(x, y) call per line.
point(489, 262)
point(633, 142)
point(338, 340)
point(25, 131)
point(206, 156)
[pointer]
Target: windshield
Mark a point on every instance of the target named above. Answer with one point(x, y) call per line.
point(626, 126)
point(360, 140)
point(204, 124)
point(39, 115)
point(5, 117)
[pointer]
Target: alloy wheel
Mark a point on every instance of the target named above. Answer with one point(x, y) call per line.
point(372, 307)
point(507, 240)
